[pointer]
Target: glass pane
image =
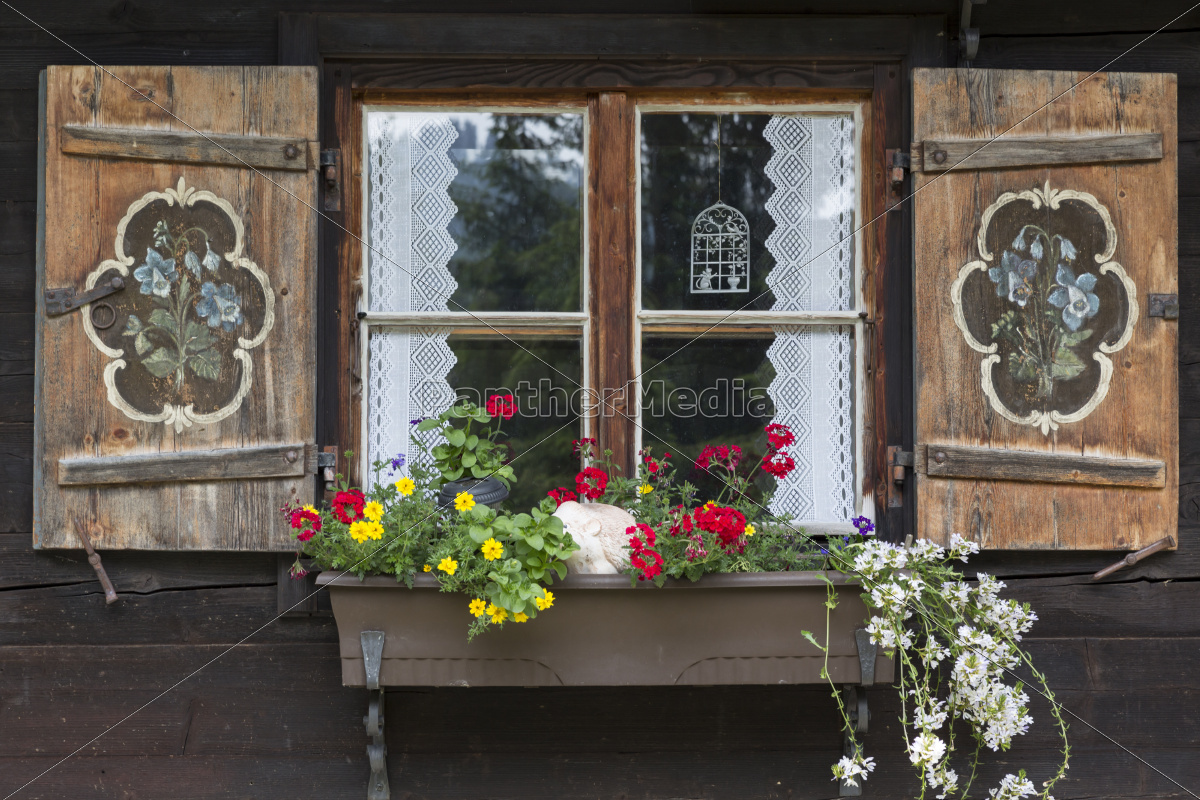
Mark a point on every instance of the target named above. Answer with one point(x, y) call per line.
point(723, 390)
point(747, 210)
point(475, 211)
point(545, 383)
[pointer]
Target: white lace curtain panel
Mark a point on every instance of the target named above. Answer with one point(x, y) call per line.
point(812, 168)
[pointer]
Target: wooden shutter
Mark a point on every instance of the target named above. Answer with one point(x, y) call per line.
point(168, 420)
point(1047, 402)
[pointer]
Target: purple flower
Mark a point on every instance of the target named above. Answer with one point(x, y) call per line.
point(864, 525)
point(416, 421)
point(398, 461)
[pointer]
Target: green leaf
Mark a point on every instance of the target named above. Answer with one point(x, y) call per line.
point(428, 424)
point(536, 541)
point(479, 534)
point(206, 364)
point(133, 326)
point(1070, 339)
point(1066, 364)
point(468, 459)
point(453, 474)
point(812, 640)
point(162, 362)
point(456, 438)
point(477, 472)
point(142, 343)
point(165, 320)
point(1023, 368)
point(472, 442)
point(197, 337)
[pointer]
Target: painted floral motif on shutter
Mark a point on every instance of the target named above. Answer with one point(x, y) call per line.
point(1046, 305)
point(193, 308)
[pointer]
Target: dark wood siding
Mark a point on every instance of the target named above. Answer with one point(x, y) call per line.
point(270, 718)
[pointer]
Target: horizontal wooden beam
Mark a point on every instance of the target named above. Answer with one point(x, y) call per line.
point(486, 320)
point(659, 37)
point(964, 155)
point(272, 461)
point(260, 152)
point(986, 463)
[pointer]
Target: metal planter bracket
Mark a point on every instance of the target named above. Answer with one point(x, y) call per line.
point(856, 704)
point(372, 647)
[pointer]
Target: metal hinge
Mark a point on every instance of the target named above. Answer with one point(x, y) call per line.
point(898, 460)
point(1163, 305)
point(61, 301)
point(899, 164)
point(968, 37)
point(331, 178)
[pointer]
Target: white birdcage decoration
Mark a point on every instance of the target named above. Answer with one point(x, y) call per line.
point(720, 250)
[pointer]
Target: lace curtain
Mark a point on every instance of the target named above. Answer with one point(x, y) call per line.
point(812, 167)
point(409, 210)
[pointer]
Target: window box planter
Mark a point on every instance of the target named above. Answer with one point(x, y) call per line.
point(722, 629)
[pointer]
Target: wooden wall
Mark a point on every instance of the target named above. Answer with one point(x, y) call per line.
point(270, 718)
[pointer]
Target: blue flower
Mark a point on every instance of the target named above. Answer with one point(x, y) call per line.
point(1014, 277)
point(1074, 296)
point(211, 259)
point(398, 462)
point(192, 263)
point(221, 305)
point(156, 274)
point(864, 525)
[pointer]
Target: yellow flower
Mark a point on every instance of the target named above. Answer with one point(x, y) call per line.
point(405, 486)
point(373, 530)
point(477, 606)
point(544, 602)
point(749, 530)
point(645, 488)
point(709, 504)
point(492, 549)
point(358, 530)
point(520, 617)
point(310, 508)
point(497, 613)
point(448, 565)
point(428, 568)
point(463, 501)
point(373, 511)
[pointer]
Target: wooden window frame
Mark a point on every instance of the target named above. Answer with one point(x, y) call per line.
point(473, 58)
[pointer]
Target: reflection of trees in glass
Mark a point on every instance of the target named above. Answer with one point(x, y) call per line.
point(493, 364)
point(709, 365)
point(518, 223)
point(679, 180)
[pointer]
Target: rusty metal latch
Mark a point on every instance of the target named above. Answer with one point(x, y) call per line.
point(898, 164)
point(110, 593)
point(62, 301)
point(331, 178)
point(1133, 558)
point(372, 647)
point(1165, 306)
point(898, 460)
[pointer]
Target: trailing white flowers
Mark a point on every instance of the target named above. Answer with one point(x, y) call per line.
point(933, 621)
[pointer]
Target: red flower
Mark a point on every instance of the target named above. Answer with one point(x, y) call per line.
point(348, 506)
point(779, 464)
point(306, 522)
point(591, 483)
point(305, 534)
point(724, 455)
point(779, 436)
point(684, 524)
point(562, 495)
point(501, 405)
point(646, 560)
point(728, 524)
point(582, 447)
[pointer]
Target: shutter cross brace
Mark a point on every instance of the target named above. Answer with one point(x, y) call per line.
point(62, 301)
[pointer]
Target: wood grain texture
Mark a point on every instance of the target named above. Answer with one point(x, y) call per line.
point(1138, 419)
point(934, 155)
point(269, 461)
point(611, 204)
point(260, 152)
point(987, 463)
point(84, 200)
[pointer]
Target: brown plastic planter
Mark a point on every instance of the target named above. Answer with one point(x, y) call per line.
point(722, 629)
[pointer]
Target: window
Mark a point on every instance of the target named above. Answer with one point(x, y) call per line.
point(743, 302)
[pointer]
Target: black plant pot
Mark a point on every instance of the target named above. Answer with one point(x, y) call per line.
point(488, 491)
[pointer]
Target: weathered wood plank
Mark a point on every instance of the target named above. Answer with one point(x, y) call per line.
point(261, 152)
point(989, 463)
point(269, 461)
point(598, 75)
point(963, 155)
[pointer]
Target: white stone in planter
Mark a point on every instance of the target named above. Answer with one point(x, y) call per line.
point(600, 532)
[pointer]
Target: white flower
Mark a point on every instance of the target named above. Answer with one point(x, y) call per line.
point(211, 259)
point(926, 749)
point(1012, 787)
point(851, 769)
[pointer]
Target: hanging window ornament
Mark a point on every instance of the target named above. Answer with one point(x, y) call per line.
point(720, 250)
point(720, 245)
